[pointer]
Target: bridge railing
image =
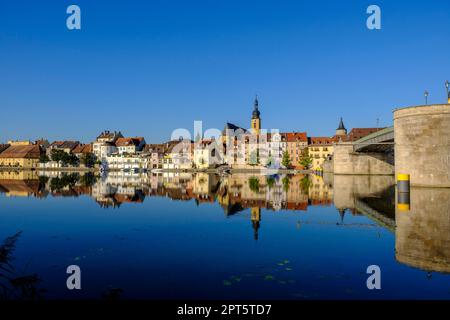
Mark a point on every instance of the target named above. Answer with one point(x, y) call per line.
point(381, 137)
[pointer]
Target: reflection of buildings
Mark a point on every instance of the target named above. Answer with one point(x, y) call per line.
point(19, 183)
point(256, 219)
point(205, 187)
point(422, 236)
point(234, 193)
point(320, 192)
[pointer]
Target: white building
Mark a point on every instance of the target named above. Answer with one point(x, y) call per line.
point(207, 154)
point(130, 145)
point(178, 155)
point(126, 161)
point(104, 145)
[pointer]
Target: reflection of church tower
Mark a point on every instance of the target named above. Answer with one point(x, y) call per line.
point(256, 218)
point(342, 214)
point(341, 131)
point(256, 120)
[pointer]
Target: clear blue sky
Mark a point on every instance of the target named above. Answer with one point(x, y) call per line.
point(148, 67)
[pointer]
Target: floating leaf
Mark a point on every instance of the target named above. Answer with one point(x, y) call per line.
point(226, 283)
point(269, 277)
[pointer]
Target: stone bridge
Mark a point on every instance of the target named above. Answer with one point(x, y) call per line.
point(372, 155)
point(381, 141)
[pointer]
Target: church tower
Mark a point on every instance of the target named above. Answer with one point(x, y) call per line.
point(256, 120)
point(341, 131)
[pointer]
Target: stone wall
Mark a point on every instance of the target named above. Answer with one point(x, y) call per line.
point(422, 144)
point(346, 161)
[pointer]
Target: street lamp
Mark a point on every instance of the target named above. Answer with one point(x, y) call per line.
point(426, 96)
point(446, 86)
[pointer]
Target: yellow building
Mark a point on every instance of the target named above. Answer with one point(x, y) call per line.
point(19, 175)
point(21, 156)
point(19, 183)
point(320, 148)
point(19, 143)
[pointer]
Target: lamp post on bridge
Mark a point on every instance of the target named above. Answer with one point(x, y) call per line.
point(426, 93)
point(446, 86)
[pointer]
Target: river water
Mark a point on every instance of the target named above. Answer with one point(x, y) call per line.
point(202, 236)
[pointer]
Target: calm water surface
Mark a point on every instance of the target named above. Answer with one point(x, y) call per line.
point(240, 236)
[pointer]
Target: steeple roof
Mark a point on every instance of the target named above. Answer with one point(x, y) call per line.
point(255, 113)
point(341, 125)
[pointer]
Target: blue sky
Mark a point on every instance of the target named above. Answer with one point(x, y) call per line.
point(149, 67)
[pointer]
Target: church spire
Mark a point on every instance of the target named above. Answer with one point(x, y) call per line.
point(256, 113)
point(341, 131)
point(341, 125)
point(256, 120)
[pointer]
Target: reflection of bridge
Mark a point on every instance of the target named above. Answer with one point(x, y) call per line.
point(373, 196)
point(373, 214)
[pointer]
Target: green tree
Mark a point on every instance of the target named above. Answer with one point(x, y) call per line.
point(88, 159)
point(254, 184)
point(64, 157)
point(305, 159)
point(88, 179)
point(65, 180)
point(286, 160)
point(305, 184)
point(43, 158)
point(286, 183)
point(270, 181)
point(57, 155)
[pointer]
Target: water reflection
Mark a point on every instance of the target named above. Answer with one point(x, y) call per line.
point(422, 234)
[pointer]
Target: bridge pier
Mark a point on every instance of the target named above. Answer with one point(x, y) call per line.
point(347, 161)
point(422, 144)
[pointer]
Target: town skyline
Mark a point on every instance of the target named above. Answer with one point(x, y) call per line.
point(156, 68)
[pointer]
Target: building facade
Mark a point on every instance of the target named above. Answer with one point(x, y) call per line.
point(21, 156)
point(104, 145)
point(130, 145)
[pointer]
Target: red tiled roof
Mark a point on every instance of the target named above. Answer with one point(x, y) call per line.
point(83, 148)
point(296, 136)
point(3, 147)
point(64, 144)
point(21, 152)
point(358, 133)
point(322, 140)
point(123, 142)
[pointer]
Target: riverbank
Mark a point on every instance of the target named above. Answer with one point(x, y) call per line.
point(191, 170)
